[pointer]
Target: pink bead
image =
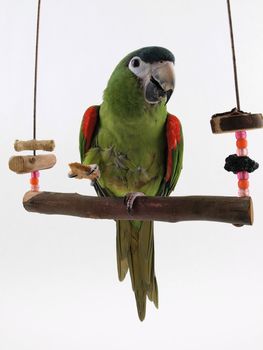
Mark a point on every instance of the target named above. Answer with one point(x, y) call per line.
point(35, 174)
point(243, 193)
point(34, 188)
point(243, 175)
point(242, 152)
point(242, 134)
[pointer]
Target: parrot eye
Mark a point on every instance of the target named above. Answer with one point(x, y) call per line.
point(135, 62)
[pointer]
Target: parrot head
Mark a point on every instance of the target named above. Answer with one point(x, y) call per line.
point(144, 77)
point(153, 67)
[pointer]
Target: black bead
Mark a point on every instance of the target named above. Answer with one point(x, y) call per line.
point(237, 163)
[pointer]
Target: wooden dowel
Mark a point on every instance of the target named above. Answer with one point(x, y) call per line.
point(27, 164)
point(233, 210)
point(34, 145)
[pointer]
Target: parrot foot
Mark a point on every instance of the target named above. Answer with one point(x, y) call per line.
point(81, 171)
point(130, 198)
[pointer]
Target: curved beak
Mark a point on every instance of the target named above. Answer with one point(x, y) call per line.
point(161, 82)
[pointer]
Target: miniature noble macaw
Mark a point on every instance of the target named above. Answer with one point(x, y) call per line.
point(136, 148)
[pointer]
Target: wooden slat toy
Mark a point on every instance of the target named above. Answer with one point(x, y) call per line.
point(235, 120)
point(33, 145)
point(28, 164)
point(24, 164)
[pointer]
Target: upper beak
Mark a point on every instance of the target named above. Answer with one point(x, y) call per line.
point(161, 83)
point(163, 73)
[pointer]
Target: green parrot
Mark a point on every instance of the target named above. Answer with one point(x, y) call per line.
point(137, 149)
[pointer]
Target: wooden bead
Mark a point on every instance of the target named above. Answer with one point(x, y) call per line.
point(243, 184)
point(241, 143)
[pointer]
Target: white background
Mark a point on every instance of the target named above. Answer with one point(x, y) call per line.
point(58, 278)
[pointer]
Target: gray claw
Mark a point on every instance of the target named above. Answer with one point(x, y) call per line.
point(130, 198)
point(71, 175)
point(92, 169)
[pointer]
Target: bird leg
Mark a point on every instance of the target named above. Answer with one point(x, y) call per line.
point(130, 198)
point(81, 171)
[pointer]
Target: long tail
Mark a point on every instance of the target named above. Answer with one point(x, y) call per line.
point(135, 252)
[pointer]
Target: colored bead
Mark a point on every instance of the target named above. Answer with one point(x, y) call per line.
point(242, 134)
point(243, 184)
point(242, 152)
point(243, 193)
point(241, 143)
point(35, 188)
point(34, 181)
point(35, 174)
point(243, 175)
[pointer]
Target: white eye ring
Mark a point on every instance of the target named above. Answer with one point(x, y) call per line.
point(138, 67)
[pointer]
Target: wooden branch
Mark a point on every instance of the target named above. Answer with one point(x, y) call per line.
point(33, 145)
point(27, 164)
point(234, 210)
point(235, 120)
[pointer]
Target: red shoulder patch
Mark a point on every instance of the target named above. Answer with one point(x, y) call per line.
point(173, 135)
point(88, 124)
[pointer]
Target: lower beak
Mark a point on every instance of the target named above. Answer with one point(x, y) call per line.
point(168, 95)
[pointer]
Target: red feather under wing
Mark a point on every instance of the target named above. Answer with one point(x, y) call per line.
point(173, 135)
point(88, 125)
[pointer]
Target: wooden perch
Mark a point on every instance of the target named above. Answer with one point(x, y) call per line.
point(27, 164)
point(34, 145)
point(233, 210)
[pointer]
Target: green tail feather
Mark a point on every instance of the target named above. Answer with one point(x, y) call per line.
point(135, 252)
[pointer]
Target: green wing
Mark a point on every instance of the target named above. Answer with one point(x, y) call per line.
point(87, 139)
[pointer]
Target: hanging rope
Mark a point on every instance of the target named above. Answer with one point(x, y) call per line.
point(233, 53)
point(35, 75)
point(34, 180)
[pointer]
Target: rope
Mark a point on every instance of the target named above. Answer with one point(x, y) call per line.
point(233, 54)
point(35, 75)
